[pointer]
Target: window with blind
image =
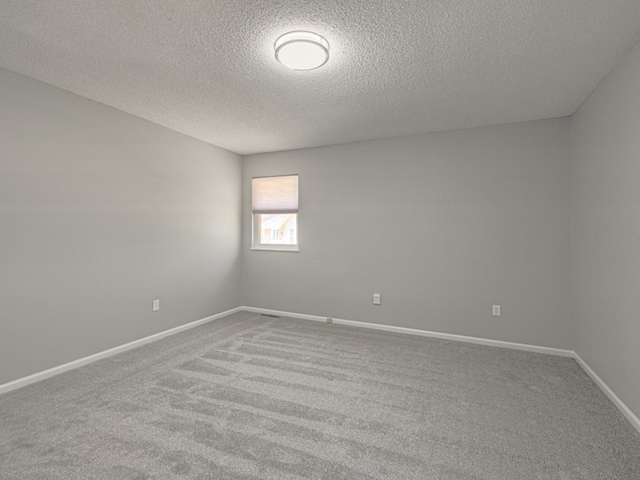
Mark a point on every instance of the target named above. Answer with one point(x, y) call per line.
point(274, 205)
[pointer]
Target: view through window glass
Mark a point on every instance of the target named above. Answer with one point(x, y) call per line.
point(278, 228)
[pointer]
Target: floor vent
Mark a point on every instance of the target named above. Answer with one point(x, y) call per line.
point(270, 316)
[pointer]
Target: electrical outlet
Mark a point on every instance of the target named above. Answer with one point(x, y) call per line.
point(376, 299)
point(156, 305)
point(329, 320)
point(496, 310)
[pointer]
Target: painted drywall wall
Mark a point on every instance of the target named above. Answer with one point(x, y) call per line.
point(606, 230)
point(100, 213)
point(442, 225)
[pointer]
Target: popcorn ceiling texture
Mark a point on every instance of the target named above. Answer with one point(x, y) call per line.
point(206, 68)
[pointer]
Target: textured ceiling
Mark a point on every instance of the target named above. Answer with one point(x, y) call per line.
point(397, 67)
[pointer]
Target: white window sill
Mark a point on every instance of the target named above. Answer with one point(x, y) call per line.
point(276, 248)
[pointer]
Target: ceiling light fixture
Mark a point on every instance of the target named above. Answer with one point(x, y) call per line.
point(302, 50)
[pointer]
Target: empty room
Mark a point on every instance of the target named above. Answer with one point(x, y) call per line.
point(320, 239)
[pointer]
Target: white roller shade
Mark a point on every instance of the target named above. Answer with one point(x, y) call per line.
point(275, 194)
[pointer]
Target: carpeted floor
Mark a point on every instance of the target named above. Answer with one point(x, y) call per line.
point(254, 398)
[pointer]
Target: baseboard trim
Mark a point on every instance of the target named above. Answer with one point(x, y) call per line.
point(421, 333)
point(626, 411)
point(36, 377)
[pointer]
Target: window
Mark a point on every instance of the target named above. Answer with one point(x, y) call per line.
point(274, 203)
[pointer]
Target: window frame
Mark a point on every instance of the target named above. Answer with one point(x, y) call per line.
point(255, 225)
point(274, 247)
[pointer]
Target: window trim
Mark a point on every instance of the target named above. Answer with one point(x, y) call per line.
point(255, 227)
point(270, 247)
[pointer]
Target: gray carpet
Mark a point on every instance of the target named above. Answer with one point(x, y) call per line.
point(250, 397)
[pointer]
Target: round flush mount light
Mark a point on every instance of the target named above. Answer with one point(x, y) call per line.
point(302, 50)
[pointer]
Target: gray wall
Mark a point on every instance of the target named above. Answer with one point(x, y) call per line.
point(606, 227)
point(442, 225)
point(100, 213)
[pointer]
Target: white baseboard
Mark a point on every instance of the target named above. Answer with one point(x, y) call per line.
point(36, 377)
point(626, 411)
point(421, 333)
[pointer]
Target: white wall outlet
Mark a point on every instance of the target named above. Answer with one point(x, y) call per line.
point(496, 310)
point(156, 305)
point(376, 299)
